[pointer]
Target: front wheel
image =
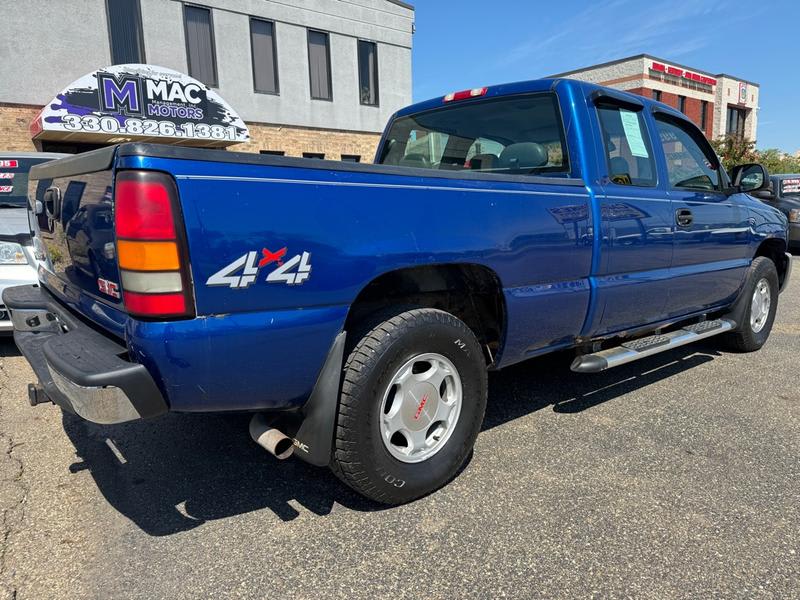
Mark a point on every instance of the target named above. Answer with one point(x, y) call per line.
point(412, 403)
point(761, 303)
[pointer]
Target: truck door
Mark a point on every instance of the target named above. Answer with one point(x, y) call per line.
point(636, 217)
point(712, 231)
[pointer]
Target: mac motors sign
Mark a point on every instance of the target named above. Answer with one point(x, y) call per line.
point(141, 103)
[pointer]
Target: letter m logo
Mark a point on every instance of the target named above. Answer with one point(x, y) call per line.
point(120, 95)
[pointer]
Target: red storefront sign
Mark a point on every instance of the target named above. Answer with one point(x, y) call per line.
point(676, 72)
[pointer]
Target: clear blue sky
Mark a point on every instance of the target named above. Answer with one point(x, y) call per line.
point(462, 44)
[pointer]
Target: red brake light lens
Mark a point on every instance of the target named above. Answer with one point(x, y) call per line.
point(155, 304)
point(143, 210)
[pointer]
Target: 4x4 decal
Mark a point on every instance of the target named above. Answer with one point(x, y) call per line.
point(243, 272)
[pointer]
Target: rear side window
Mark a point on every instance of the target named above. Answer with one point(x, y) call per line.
point(629, 154)
point(514, 135)
point(691, 163)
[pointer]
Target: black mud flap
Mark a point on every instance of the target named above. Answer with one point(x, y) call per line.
point(315, 424)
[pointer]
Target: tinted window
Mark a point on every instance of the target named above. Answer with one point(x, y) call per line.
point(265, 65)
point(736, 121)
point(125, 31)
point(629, 155)
point(368, 72)
point(518, 135)
point(319, 65)
point(200, 50)
point(691, 163)
point(14, 180)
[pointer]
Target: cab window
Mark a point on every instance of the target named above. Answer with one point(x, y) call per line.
point(629, 156)
point(691, 163)
point(512, 135)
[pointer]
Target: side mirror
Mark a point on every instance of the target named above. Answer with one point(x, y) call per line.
point(750, 178)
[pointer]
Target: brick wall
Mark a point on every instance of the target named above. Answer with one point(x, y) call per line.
point(296, 140)
point(14, 122)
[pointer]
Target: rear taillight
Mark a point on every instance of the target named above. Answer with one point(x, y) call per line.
point(151, 249)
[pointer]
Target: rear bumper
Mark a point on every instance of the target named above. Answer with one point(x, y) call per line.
point(80, 369)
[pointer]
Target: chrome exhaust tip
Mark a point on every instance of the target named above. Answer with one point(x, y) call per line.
point(272, 440)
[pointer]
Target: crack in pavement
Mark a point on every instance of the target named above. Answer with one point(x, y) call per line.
point(14, 493)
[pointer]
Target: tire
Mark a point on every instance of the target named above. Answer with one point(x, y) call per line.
point(367, 457)
point(751, 334)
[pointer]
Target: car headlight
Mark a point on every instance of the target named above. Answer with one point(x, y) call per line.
point(12, 254)
point(794, 215)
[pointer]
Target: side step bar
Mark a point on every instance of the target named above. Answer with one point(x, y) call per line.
point(643, 347)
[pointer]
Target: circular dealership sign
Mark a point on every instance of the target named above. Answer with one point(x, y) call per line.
point(141, 103)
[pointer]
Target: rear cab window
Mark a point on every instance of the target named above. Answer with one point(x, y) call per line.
point(511, 135)
point(14, 180)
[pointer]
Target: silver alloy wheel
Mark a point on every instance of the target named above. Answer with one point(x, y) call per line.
point(421, 407)
point(760, 306)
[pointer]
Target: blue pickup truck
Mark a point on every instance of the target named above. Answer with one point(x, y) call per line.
point(356, 309)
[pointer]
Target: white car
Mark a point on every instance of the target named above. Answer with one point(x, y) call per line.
point(19, 255)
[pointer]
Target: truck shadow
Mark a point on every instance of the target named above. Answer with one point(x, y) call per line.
point(7, 346)
point(179, 471)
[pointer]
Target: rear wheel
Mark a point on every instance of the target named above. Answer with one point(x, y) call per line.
point(761, 304)
point(412, 403)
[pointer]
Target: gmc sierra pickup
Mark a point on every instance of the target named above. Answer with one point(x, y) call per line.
point(355, 309)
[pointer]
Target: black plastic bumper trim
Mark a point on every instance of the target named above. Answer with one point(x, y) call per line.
point(81, 354)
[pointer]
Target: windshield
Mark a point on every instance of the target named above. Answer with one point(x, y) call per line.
point(790, 187)
point(516, 135)
point(14, 180)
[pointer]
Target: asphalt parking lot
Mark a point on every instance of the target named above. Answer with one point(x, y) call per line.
point(678, 476)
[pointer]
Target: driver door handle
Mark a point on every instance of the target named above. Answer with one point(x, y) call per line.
point(684, 217)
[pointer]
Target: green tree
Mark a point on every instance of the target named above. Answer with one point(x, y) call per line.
point(735, 150)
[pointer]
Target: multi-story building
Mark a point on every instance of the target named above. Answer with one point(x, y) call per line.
point(314, 78)
point(719, 104)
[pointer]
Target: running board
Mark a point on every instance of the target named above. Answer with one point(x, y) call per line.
point(643, 347)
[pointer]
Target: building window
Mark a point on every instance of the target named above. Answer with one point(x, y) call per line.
point(736, 121)
point(319, 65)
point(657, 95)
point(703, 114)
point(200, 50)
point(356, 158)
point(273, 152)
point(368, 72)
point(682, 104)
point(125, 31)
point(317, 155)
point(264, 55)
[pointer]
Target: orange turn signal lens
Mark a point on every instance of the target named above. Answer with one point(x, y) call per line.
point(148, 256)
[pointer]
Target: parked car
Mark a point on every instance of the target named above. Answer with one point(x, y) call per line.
point(356, 309)
point(18, 256)
point(784, 194)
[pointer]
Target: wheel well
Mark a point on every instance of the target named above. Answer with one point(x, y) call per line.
point(775, 250)
point(470, 292)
